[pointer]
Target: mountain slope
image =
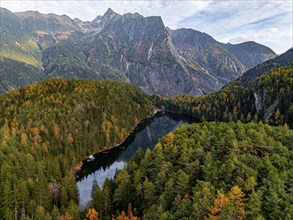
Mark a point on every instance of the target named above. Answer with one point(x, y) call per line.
point(205, 53)
point(250, 53)
point(48, 29)
point(34, 20)
point(16, 43)
point(151, 61)
point(66, 59)
point(129, 48)
point(154, 61)
point(16, 74)
point(262, 93)
point(20, 60)
point(250, 77)
point(274, 96)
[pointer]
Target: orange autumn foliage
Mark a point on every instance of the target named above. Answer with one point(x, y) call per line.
point(235, 198)
point(66, 217)
point(92, 214)
point(70, 138)
point(129, 216)
point(219, 203)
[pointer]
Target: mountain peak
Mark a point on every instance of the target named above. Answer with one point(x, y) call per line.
point(110, 12)
point(133, 15)
point(250, 53)
point(101, 21)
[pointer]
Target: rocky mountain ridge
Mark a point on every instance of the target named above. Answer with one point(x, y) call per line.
point(249, 78)
point(131, 48)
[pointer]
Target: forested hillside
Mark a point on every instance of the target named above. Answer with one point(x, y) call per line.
point(275, 97)
point(228, 104)
point(243, 169)
point(19, 57)
point(269, 100)
point(211, 170)
point(71, 91)
point(250, 77)
point(47, 128)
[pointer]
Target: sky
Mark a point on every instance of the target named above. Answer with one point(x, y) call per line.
point(268, 22)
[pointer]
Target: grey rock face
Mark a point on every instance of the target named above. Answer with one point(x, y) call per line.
point(250, 53)
point(131, 48)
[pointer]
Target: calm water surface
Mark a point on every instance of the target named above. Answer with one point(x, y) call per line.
point(105, 165)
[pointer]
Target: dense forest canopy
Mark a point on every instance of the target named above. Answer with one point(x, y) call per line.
point(47, 128)
point(271, 101)
point(275, 90)
point(212, 170)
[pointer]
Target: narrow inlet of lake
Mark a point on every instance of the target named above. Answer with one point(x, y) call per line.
point(105, 164)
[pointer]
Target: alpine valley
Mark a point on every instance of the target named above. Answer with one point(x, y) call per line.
point(76, 94)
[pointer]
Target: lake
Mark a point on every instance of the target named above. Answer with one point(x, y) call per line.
point(145, 136)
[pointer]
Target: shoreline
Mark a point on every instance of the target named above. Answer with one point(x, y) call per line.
point(80, 163)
